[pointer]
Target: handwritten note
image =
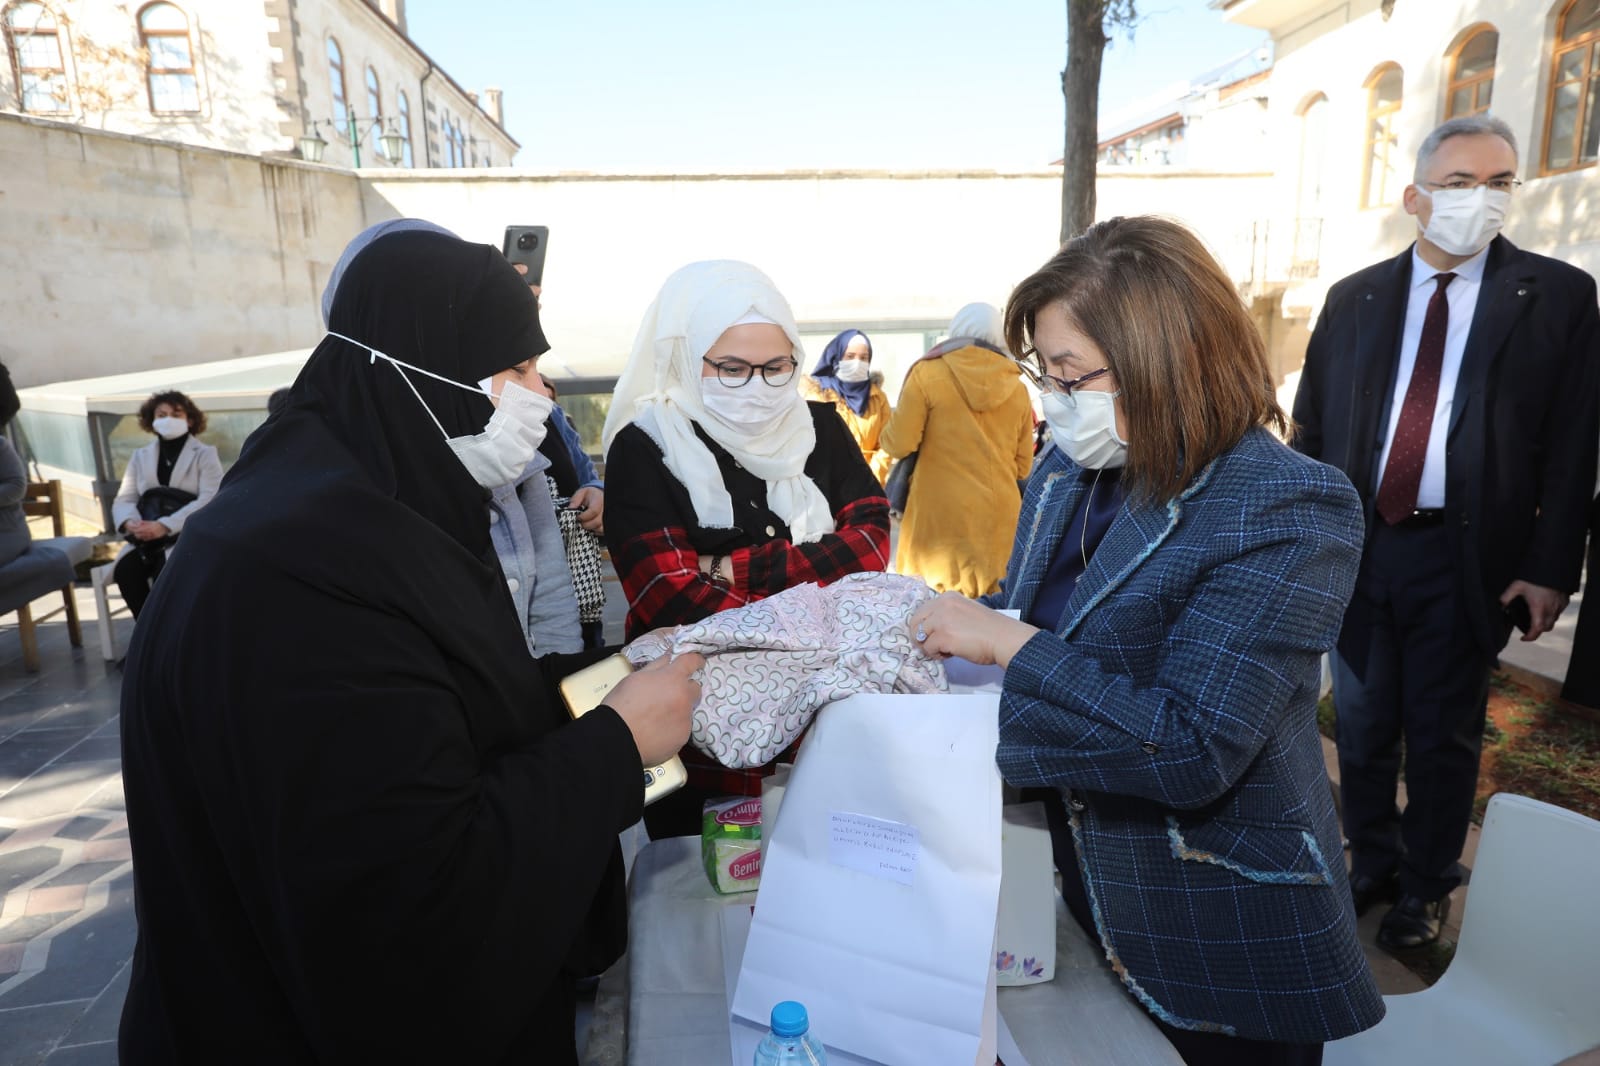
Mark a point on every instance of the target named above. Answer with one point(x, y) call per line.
point(874, 846)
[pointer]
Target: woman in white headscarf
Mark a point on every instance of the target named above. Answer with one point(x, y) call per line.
point(723, 485)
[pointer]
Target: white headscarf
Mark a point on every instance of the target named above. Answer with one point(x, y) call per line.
point(981, 322)
point(659, 391)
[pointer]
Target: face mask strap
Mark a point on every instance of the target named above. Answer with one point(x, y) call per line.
point(397, 364)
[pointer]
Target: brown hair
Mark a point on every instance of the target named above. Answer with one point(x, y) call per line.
point(147, 411)
point(1190, 363)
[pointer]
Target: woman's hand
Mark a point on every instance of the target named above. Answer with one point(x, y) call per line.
point(725, 575)
point(657, 704)
point(142, 530)
point(950, 624)
point(592, 503)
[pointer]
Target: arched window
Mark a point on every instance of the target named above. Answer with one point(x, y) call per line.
point(1472, 74)
point(169, 70)
point(404, 107)
point(1313, 155)
point(34, 41)
point(341, 110)
point(375, 108)
point(1572, 125)
point(1381, 173)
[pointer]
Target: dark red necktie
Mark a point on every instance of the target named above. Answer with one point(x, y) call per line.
point(1402, 474)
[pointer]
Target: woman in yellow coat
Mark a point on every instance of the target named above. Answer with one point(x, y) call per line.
point(965, 412)
point(844, 378)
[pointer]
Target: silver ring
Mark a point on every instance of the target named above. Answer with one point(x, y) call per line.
point(921, 635)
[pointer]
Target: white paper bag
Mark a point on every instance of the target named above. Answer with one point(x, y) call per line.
point(1025, 937)
point(881, 884)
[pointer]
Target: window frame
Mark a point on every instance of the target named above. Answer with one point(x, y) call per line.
point(375, 105)
point(1589, 42)
point(337, 86)
point(1476, 82)
point(1390, 113)
point(21, 73)
point(151, 73)
point(403, 107)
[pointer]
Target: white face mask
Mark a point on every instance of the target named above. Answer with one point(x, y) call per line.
point(1085, 427)
point(499, 454)
point(853, 370)
point(1464, 221)
point(169, 428)
point(751, 404)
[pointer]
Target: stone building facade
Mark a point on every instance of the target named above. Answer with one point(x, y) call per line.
point(250, 76)
point(1357, 84)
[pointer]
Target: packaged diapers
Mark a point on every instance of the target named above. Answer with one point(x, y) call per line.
point(730, 844)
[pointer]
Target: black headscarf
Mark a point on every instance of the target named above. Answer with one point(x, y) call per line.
point(456, 309)
point(354, 795)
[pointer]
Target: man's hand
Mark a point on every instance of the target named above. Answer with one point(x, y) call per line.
point(592, 502)
point(950, 624)
point(1544, 606)
point(657, 704)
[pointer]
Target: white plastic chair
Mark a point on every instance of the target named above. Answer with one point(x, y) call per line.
point(100, 579)
point(1524, 986)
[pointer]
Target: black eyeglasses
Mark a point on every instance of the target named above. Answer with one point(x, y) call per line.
point(1049, 382)
point(734, 373)
point(1462, 184)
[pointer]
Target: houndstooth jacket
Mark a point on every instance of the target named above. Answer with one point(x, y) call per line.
point(1175, 710)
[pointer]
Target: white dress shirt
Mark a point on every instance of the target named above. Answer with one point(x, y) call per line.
point(1462, 296)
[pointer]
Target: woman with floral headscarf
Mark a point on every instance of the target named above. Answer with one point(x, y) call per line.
point(723, 485)
point(844, 378)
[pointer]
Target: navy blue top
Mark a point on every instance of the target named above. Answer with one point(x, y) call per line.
point(1090, 520)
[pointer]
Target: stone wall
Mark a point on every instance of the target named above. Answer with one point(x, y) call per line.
point(130, 254)
point(122, 253)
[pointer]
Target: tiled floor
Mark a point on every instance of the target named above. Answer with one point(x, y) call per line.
point(66, 885)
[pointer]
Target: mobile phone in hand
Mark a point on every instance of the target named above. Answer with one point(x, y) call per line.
point(526, 245)
point(1517, 614)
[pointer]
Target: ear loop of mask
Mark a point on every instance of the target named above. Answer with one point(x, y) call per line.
point(397, 364)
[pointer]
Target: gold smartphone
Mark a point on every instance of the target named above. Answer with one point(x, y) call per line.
point(587, 689)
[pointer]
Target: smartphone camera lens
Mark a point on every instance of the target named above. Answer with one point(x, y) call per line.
point(527, 242)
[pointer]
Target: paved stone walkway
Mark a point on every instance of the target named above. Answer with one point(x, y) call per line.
point(66, 883)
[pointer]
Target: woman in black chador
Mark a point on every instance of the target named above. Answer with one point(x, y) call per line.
point(363, 828)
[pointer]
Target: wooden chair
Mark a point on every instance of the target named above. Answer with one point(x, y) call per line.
point(48, 566)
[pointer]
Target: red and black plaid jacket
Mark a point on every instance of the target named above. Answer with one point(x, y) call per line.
point(656, 543)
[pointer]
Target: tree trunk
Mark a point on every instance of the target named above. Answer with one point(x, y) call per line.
point(1080, 84)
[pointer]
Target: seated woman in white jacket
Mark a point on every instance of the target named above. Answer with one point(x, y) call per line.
point(174, 460)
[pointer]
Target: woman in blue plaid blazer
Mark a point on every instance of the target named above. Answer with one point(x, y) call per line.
point(1179, 573)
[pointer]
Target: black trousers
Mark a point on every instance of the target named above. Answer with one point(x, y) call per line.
point(1409, 671)
point(1583, 669)
point(136, 573)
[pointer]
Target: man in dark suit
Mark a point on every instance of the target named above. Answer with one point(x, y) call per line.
point(1456, 386)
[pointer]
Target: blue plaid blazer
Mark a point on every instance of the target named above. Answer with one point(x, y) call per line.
point(1174, 708)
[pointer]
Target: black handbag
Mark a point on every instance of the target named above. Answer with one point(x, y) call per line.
point(156, 503)
point(159, 501)
point(898, 485)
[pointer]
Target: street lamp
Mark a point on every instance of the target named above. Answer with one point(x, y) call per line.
point(391, 142)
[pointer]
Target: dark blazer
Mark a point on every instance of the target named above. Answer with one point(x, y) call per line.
point(1175, 710)
point(1520, 456)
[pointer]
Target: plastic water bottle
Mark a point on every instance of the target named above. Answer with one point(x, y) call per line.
point(790, 1043)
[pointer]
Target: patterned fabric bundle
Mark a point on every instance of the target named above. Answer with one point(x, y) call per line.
point(772, 665)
